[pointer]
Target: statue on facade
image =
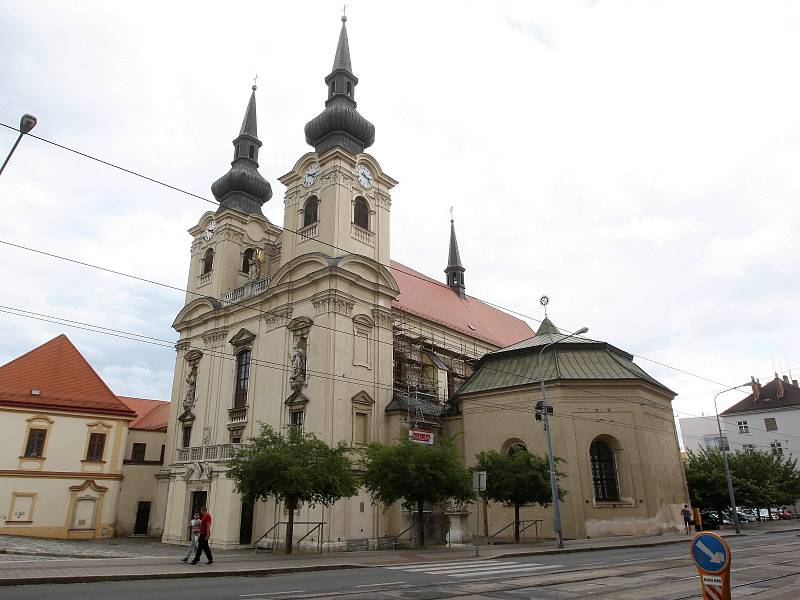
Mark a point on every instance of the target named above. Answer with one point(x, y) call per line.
point(252, 269)
point(191, 384)
point(298, 377)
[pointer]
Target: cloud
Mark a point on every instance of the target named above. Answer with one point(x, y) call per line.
point(649, 188)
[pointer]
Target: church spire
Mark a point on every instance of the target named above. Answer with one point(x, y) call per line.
point(340, 124)
point(243, 188)
point(455, 270)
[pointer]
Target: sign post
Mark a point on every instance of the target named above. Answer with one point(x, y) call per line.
point(712, 557)
point(478, 486)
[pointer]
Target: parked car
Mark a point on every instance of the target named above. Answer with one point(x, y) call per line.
point(785, 515)
point(711, 519)
point(765, 516)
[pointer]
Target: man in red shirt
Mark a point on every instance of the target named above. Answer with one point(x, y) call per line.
point(204, 534)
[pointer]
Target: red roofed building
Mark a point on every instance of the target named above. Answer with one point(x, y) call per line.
point(65, 438)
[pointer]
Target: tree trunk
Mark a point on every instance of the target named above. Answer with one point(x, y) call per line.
point(421, 520)
point(290, 505)
point(516, 522)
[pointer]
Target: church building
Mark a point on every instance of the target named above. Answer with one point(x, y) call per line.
point(313, 325)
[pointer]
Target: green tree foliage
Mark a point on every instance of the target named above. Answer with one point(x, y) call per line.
point(760, 479)
point(292, 467)
point(416, 474)
point(705, 476)
point(517, 478)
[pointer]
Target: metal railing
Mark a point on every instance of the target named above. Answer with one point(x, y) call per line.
point(318, 526)
point(523, 527)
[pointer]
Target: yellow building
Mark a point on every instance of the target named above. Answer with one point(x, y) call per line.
point(611, 426)
point(64, 434)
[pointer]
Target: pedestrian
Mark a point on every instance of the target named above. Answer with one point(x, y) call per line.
point(685, 512)
point(194, 532)
point(203, 535)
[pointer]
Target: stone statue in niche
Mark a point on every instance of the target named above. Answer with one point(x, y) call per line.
point(191, 384)
point(297, 379)
point(252, 269)
point(207, 431)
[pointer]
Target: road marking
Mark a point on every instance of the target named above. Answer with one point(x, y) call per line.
point(473, 568)
point(262, 594)
point(443, 563)
point(377, 584)
point(504, 571)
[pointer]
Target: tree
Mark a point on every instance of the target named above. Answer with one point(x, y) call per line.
point(292, 467)
point(705, 476)
point(518, 478)
point(759, 479)
point(415, 473)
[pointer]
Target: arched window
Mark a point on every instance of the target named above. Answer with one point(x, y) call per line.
point(516, 447)
point(242, 379)
point(604, 472)
point(208, 261)
point(310, 211)
point(349, 89)
point(252, 152)
point(246, 258)
point(361, 213)
point(333, 88)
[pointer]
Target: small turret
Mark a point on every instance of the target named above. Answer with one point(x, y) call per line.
point(455, 270)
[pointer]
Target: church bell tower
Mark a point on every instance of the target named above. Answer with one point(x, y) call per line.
point(337, 199)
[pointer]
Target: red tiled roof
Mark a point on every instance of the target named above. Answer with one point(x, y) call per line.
point(151, 415)
point(427, 298)
point(64, 380)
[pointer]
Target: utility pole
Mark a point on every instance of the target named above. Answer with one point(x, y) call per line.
point(26, 123)
point(724, 443)
point(543, 410)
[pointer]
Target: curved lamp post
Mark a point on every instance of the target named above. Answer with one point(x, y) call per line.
point(26, 123)
point(546, 423)
point(724, 444)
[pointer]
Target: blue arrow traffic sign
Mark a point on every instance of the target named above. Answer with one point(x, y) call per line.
point(710, 553)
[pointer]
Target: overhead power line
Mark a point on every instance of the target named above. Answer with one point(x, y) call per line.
point(215, 202)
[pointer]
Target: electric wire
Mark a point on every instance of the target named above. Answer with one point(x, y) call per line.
point(197, 196)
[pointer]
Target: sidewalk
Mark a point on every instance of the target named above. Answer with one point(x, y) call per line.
point(47, 569)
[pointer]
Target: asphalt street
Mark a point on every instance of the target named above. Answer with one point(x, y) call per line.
point(766, 567)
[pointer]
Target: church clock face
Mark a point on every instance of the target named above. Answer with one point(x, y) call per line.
point(364, 175)
point(310, 176)
point(210, 229)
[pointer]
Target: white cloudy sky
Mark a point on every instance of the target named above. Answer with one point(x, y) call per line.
point(636, 161)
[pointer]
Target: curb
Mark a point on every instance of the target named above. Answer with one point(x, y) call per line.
point(188, 574)
point(589, 549)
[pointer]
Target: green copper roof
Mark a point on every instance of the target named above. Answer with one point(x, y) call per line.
point(568, 359)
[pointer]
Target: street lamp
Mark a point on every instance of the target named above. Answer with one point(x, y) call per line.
point(724, 443)
point(26, 123)
point(546, 423)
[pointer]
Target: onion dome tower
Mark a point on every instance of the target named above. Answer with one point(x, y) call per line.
point(340, 124)
point(243, 188)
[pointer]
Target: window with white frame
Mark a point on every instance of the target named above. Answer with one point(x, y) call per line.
point(743, 427)
point(777, 449)
point(748, 447)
